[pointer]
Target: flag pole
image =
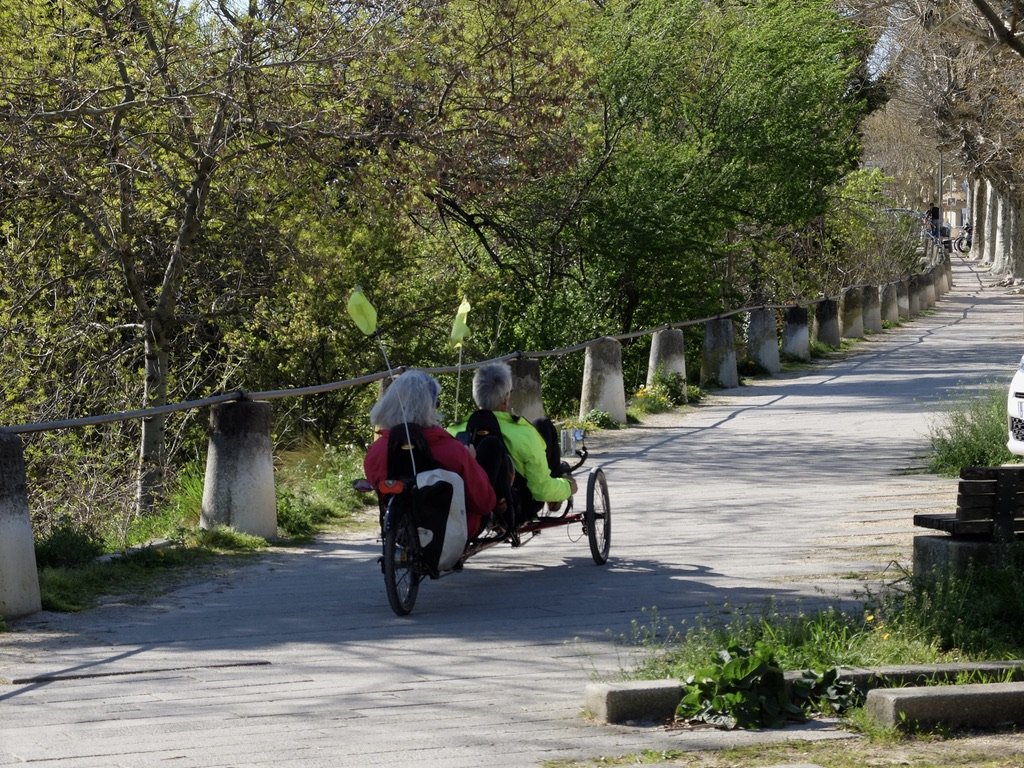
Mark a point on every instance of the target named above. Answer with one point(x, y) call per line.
point(459, 332)
point(365, 318)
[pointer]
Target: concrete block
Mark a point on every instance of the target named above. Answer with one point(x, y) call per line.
point(643, 700)
point(942, 554)
point(981, 705)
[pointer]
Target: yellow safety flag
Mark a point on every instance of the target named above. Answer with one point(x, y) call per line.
point(362, 312)
point(459, 328)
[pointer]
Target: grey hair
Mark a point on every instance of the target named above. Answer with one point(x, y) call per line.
point(411, 397)
point(492, 383)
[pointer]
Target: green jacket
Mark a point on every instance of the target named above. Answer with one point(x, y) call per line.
point(528, 452)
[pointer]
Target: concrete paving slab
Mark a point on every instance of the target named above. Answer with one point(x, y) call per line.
point(797, 491)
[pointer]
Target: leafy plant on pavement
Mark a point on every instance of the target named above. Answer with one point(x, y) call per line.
point(741, 688)
point(745, 687)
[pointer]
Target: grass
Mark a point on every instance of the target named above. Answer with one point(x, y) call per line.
point(314, 494)
point(973, 615)
point(972, 432)
point(141, 574)
point(818, 640)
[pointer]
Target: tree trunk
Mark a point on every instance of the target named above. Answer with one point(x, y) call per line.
point(992, 224)
point(1001, 263)
point(1015, 243)
point(978, 212)
point(152, 458)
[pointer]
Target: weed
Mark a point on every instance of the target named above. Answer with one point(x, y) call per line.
point(67, 544)
point(971, 433)
point(596, 419)
point(974, 611)
point(741, 688)
point(674, 386)
point(314, 487)
point(651, 399)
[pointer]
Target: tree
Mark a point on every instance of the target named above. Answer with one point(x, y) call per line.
point(135, 119)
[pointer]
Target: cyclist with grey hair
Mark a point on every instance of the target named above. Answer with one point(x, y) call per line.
point(412, 398)
point(527, 448)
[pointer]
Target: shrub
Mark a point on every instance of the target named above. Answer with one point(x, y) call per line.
point(596, 419)
point(973, 432)
point(976, 611)
point(741, 688)
point(650, 400)
point(68, 544)
point(674, 386)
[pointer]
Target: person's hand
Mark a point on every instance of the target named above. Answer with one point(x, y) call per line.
point(472, 449)
point(572, 484)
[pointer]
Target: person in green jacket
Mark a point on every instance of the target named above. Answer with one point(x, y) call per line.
point(492, 385)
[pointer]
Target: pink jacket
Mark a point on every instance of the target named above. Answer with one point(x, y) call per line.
point(449, 454)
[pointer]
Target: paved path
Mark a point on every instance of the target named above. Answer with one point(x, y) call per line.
point(782, 489)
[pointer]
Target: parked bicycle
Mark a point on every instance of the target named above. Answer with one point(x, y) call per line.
point(962, 244)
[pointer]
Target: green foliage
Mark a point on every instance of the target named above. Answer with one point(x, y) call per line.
point(939, 617)
point(819, 640)
point(741, 688)
point(224, 539)
point(865, 242)
point(673, 385)
point(314, 486)
point(656, 159)
point(974, 612)
point(137, 574)
point(596, 419)
point(651, 399)
point(68, 544)
point(973, 432)
point(824, 692)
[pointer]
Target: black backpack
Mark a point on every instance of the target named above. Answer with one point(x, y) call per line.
point(483, 432)
point(428, 500)
point(407, 447)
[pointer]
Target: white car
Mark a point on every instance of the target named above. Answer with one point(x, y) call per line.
point(1015, 412)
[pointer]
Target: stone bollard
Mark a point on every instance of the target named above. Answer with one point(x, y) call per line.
point(930, 294)
point(939, 272)
point(239, 486)
point(872, 310)
point(796, 334)
point(19, 579)
point(668, 355)
point(826, 323)
point(603, 385)
point(763, 340)
point(914, 295)
point(949, 274)
point(889, 300)
point(851, 302)
point(525, 399)
point(919, 283)
point(903, 298)
point(718, 363)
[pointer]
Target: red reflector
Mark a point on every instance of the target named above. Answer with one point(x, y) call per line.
point(389, 487)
